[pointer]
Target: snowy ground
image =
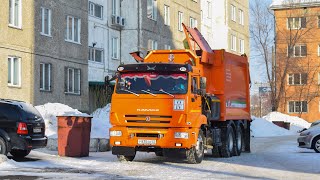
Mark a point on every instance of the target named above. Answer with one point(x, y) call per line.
point(271, 158)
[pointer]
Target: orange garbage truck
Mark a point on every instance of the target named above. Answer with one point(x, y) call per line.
point(181, 103)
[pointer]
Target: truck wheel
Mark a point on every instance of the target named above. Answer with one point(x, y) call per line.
point(239, 141)
point(228, 142)
point(3, 147)
point(123, 158)
point(19, 153)
point(316, 144)
point(196, 154)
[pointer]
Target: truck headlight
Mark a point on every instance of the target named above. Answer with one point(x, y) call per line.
point(115, 133)
point(181, 135)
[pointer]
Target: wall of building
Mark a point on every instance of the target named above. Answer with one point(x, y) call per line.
point(17, 42)
point(309, 64)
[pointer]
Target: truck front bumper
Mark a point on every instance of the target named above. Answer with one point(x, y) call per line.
point(154, 138)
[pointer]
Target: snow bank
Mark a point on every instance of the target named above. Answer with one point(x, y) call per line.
point(260, 127)
point(100, 121)
point(264, 127)
point(296, 123)
point(3, 158)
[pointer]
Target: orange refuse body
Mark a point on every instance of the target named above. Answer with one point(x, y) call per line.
point(74, 136)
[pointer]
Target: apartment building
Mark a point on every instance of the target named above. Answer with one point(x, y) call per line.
point(298, 57)
point(155, 24)
point(43, 50)
point(225, 25)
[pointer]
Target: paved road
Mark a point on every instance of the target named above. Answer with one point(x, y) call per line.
point(271, 158)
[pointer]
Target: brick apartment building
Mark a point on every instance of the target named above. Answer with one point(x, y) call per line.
point(298, 57)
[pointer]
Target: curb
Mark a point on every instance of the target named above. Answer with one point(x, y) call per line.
point(96, 145)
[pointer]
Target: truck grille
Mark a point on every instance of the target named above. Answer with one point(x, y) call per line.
point(148, 119)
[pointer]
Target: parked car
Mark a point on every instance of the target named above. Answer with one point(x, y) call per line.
point(315, 123)
point(22, 128)
point(310, 138)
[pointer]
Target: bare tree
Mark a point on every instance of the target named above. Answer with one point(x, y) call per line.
point(293, 27)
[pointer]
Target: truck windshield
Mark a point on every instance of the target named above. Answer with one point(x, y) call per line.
point(156, 83)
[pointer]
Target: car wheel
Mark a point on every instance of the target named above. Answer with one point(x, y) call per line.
point(195, 154)
point(3, 147)
point(316, 144)
point(19, 153)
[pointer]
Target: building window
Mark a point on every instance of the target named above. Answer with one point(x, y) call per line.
point(14, 71)
point(95, 10)
point(319, 50)
point(180, 21)
point(300, 51)
point(318, 21)
point(318, 78)
point(298, 106)
point(193, 22)
point(73, 29)
point(241, 46)
point(152, 44)
point(168, 47)
point(115, 48)
point(15, 13)
point(241, 17)
point(152, 9)
point(45, 21)
point(296, 22)
point(115, 7)
point(166, 15)
point(95, 54)
point(209, 13)
point(45, 77)
point(297, 79)
point(73, 81)
point(233, 43)
point(233, 13)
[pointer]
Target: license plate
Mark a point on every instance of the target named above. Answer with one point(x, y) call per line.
point(37, 130)
point(146, 142)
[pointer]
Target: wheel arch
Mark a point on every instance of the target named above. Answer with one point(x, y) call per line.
point(5, 136)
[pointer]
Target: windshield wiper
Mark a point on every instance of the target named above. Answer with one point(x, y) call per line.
point(130, 92)
point(161, 90)
point(148, 92)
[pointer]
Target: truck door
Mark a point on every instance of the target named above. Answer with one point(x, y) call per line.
point(195, 101)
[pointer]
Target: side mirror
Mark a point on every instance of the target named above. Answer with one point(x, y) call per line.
point(203, 83)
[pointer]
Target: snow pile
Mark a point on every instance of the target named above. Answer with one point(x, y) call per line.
point(99, 125)
point(3, 158)
point(49, 112)
point(260, 127)
point(100, 122)
point(296, 123)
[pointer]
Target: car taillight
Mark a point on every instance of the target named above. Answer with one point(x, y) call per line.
point(22, 129)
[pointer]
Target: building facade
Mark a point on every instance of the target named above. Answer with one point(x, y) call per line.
point(298, 57)
point(225, 25)
point(43, 50)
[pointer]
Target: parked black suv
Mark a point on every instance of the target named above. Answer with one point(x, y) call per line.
point(22, 128)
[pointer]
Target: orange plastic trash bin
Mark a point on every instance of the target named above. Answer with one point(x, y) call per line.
point(74, 135)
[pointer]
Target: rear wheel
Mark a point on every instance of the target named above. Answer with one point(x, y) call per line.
point(3, 147)
point(316, 144)
point(195, 154)
point(19, 153)
point(228, 142)
point(215, 152)
point(239, 141)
